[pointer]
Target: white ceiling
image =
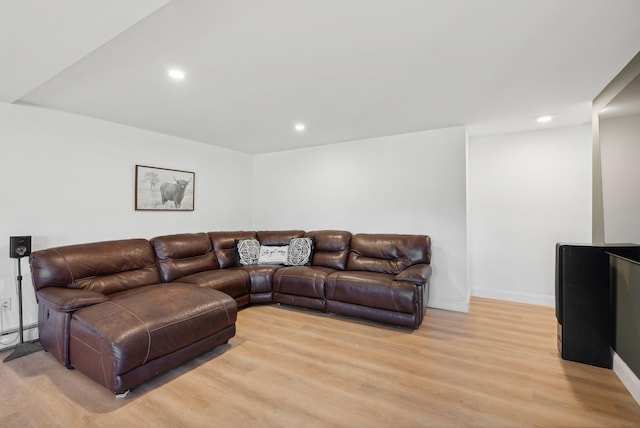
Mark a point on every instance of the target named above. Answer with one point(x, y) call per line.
point(348, 69)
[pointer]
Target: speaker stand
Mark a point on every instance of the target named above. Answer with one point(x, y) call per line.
point(22, 348)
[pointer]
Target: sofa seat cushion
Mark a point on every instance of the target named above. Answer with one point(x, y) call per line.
point(114, 337)
point(233, 281)
point(301, 280)
point(372, 289)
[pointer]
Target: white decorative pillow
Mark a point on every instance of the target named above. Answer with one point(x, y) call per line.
point(300, 252)
point(272, 255)
point(247, 251)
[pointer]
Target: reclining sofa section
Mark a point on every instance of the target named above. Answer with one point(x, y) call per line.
point(125, 311)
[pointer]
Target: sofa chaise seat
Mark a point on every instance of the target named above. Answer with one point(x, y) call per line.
point(103, 309)
point(123, 341)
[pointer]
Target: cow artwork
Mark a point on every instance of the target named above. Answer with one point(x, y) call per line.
point(161, 189)
point(173, 191)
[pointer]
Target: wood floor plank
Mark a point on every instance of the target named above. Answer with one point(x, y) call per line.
point(495, 367)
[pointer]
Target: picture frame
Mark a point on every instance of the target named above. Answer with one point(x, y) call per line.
point(164, 189)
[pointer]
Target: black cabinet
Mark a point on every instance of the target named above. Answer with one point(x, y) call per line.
point(583, 302)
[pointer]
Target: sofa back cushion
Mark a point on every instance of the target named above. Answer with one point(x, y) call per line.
point(278, 237)
point(387, 253)
point(183, 254)
point(331, 248)
point(224, 246)
point(105, 267)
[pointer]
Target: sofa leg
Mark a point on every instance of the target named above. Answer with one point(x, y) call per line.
point(123, 395)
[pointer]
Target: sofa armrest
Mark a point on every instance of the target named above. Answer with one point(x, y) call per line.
point(69, 299)
point(417, 274)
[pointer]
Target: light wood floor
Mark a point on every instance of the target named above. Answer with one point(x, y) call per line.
point(496, 366)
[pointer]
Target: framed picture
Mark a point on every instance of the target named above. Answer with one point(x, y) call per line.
point(162, 189)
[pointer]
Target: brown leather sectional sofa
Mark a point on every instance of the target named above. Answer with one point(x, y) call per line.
point(124, 311)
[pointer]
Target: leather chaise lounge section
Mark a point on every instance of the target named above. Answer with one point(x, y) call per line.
point(125, 311)
point(103, 309)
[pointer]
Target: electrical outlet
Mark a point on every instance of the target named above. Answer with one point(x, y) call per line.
point(5, 304)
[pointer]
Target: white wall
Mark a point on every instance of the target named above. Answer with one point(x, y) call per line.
point(527, 192)
point(411, 183)
point(70, 179)
point(620, 147)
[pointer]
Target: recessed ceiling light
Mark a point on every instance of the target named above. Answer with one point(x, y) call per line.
point(176, 74)
point(299, 127)
point(544, 118)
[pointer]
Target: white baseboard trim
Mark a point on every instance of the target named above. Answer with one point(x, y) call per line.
point(515, 296)
point(627, 377)
point(449, 304)
point(9, 339)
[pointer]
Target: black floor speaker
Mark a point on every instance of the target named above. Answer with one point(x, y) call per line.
point(19, 246)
